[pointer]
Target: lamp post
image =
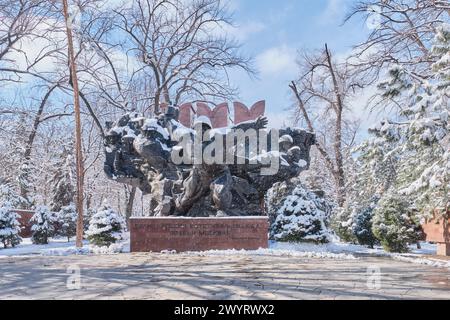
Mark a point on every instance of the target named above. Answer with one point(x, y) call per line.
point(78, 150)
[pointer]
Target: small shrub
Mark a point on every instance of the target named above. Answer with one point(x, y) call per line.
point(9, 226)
point(105, 227)
point(42, 225)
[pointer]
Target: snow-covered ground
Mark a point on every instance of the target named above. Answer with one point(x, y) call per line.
point(60, 247)
point(417, 256)
point(340, 247)
point(282, 249)
point(334, 250)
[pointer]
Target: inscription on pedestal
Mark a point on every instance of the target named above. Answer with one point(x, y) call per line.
point(198, 234)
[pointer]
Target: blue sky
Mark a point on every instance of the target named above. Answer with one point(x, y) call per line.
point(273, 32)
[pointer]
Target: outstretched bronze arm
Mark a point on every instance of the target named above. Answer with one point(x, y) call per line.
point(260, 123)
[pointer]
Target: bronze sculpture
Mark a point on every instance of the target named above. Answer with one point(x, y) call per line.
point(201, 171)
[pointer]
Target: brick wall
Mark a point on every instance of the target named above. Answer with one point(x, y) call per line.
point(437, 230)
point(25, 216)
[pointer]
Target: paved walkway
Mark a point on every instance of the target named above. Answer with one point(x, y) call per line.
point(157, 276)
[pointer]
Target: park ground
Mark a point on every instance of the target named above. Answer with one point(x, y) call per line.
point(281, 272)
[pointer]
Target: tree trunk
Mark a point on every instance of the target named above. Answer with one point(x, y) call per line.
point(338, 108)
point(166, 95)
point(156, 110)
point(130, 203)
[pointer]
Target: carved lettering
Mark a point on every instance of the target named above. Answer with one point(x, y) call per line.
point(159, 234)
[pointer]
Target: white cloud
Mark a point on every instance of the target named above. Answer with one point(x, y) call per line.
point(281, 14)
point(233, 5)
point(36, 50)
point(279, 120)
point(277, 60)
point(334, 12)
point(245, 30)
point(240, 32)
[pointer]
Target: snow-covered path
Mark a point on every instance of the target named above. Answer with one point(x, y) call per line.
point(215, 276)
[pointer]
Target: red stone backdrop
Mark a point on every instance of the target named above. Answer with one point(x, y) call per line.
point(243, 114)
point(218, 115)
point(185, 117)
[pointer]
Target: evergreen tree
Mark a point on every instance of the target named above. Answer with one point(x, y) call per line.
point(375, 172)
point(63, 181)
point(9, 226)
point(275, 197)
point(410, 156)
point(9, 195)
point(105, 227)
point(362, 225)
point(26, 184)
point(87, 216)
point(302, 217)
point(426, 172)
point(424, 154)
point(394, 224)
point(67, 221)
point(42, 225)
point(396, 83)
point(342, 222)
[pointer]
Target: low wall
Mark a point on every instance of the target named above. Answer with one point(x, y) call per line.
point(198, 234)
point(24, 220)
point(438, 230)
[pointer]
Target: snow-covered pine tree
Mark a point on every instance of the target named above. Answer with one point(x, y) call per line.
point(425, 157)
point(394, 223)
point(26, 183)
point(67, 221)
point(43, 226)
point(342, 221)
point(362, 225)
point(63, 180)
point(88, 214)
point(425, 175)
point(375, 171)
point(105, 227)
point(302, 217)
point(410, 156)
point(396, 83)
point(353, 222)
point(9, 194)
point(9, 225)
point(275, 197)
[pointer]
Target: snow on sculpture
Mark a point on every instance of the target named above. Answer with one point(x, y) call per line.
point(202, 171)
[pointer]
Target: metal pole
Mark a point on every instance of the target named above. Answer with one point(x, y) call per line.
point(78, 150)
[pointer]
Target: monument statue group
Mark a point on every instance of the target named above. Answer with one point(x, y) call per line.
point(193, 163)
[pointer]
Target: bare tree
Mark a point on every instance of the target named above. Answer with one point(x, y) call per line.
point(176, 46)
point(322, 93)
point(21, 22)
point(402, 34)
point(153, 51)
point(131, 58)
